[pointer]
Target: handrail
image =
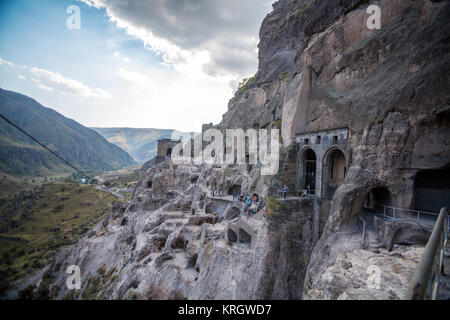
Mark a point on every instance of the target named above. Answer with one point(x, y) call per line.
point(364, 231)
point(425, 283)
point(410, 210)
point(296, 192)
point(396, 211)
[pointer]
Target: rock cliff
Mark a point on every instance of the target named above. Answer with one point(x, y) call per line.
point(320, 68)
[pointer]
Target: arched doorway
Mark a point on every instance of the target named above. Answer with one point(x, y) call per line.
point(169, 152)
point(309, 161)
point(334, 172)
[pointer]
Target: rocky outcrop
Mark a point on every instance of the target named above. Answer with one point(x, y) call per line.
point(173, 253)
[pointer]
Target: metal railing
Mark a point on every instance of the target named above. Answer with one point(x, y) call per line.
point(295, 193)
point(408, 215)
point(425, 283)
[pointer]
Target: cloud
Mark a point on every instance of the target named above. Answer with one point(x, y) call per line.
point(118, 56)
point(21, 77)
point(209, 37)
point(6, 63)
point(54, 81)
point(133, 76)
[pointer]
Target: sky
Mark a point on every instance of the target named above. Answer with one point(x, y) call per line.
point(169, 64)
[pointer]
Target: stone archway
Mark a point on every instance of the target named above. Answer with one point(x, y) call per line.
point(334, 171)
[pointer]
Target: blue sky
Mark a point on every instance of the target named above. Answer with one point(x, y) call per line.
point(133, 63)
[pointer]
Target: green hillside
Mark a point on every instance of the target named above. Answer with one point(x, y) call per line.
point(83, 147)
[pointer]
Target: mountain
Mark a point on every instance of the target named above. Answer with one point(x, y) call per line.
point(83, 147)
point(140, 143)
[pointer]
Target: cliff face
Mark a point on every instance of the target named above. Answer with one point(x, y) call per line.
point(320, 68)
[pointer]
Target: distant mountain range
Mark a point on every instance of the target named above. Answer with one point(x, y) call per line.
point(83, 147)
point(140, 143)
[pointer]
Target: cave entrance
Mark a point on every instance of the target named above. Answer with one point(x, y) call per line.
point(432, 190)
point(244, 237)
point(335, 170)
point(231, 235)
point(169, 152)
point(309, 171)
point(211, 208)
point(235, 188)
point(377, 198)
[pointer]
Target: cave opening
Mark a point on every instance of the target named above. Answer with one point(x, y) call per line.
point(211, 208)
point(235, 188)
point(377, 198)
point(244, 237)
point(232, 236)
point(335, 170)
point(432, 190)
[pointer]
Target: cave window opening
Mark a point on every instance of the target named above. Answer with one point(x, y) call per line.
point(335, 139)
point(149, 184)
point(318, 139)
point(306, 141)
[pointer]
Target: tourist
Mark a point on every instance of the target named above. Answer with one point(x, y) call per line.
point(285, 191)
point(220, 193)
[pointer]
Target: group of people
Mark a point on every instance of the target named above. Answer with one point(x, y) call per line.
point(304, 192)
point(214, 193)
point(251, 204)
